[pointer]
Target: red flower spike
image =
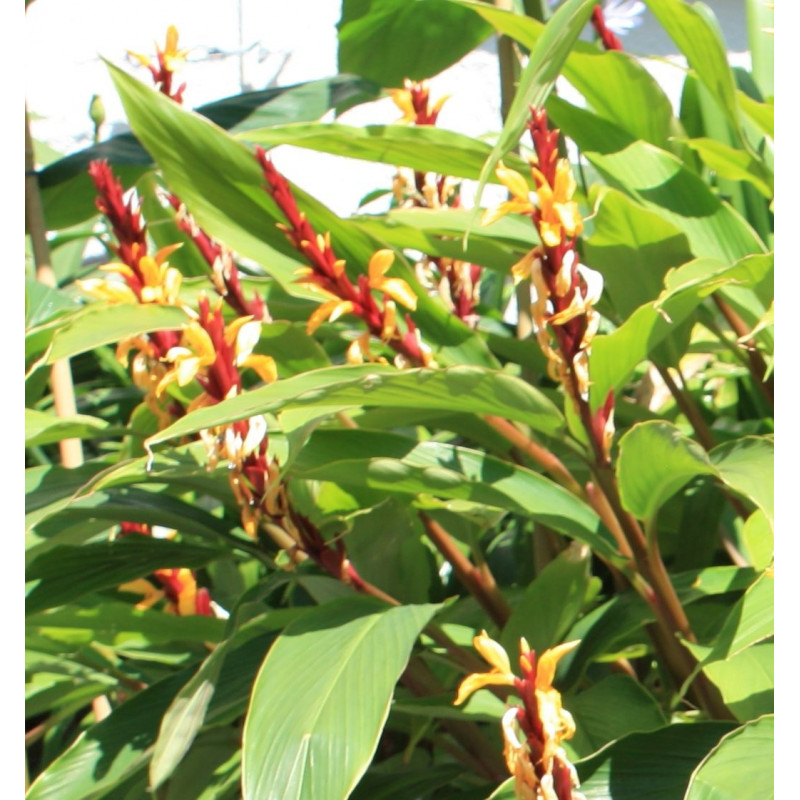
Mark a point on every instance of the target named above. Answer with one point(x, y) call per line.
point(607, 37)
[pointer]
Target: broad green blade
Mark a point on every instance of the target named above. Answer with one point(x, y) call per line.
point(391, 40)
point(322, 697)
point(741, 766)
point(67, 573)
point(43, 428)
point(655, 461)
point(656, 765)
point(109, 751)
point(468, 388)
point(395, 464)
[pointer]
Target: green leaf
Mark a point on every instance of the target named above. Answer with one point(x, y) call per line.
point(183, 719)
point(66, 573)
point(631, 241)
point(659, 181)
point(747, 466)
point(305, 736)
point(733, 164)
point(655, 461)
point(42, 428)
point(43, 303)
point(424, 148)
point(741, 766)
point(759, 539)
point(696, 33)
point(655, 765)
point(597, 721)
point(414, 40)
point(539, 76)
point(399, 465)
point(746, 681)
point(615, 356)
point(223, 187)
point(751, 620)
point(102, 323)
point(109, 751)
point(118, 624)
point(469, 388)
point(68, 193)
point(551, 603)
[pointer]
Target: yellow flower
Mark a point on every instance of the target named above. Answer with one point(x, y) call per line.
point(520, 202)
point(532, 781)
point(195, 352)
point(244, 333)
point(499, 675)
point(172, 57)
point(559, 213)
point(331, 310)
point(396, 288)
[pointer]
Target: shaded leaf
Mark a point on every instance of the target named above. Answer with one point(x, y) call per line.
point(740, 766)
point(66, 573)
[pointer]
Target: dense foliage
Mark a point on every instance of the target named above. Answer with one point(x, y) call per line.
point(433, 503)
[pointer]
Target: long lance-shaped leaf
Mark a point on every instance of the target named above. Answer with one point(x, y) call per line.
point(539, 76)
point(423, 148)
point(68, 193)
point(468, 388)
point(66, 573)
point(223, 187)
point(321, 699)
point(399, 465)
point(740, 766)
point(110, 751)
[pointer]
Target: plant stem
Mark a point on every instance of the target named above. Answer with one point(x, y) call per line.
point(486, 592)
point(688, 408)
point(758, 368)
point(541, 455)
point(60, 374)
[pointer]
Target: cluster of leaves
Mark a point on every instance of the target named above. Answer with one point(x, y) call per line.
point(434, 501)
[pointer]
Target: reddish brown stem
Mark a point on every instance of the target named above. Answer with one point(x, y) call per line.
point(758, 368)
point(485, 592)
point(688, 409)
point(541, 455)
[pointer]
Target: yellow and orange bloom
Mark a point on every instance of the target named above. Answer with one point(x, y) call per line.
point(396, 288)
point(533, 732)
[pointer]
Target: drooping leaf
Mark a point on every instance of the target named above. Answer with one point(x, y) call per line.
point(468, 388)
point(305, 736)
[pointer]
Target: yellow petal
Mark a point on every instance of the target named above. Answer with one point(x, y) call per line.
point(379, 265)
point(546, 668)
point(492, 652)
point(513, 181)
point(264, 366)
point(479, 680)
point(400, 291)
